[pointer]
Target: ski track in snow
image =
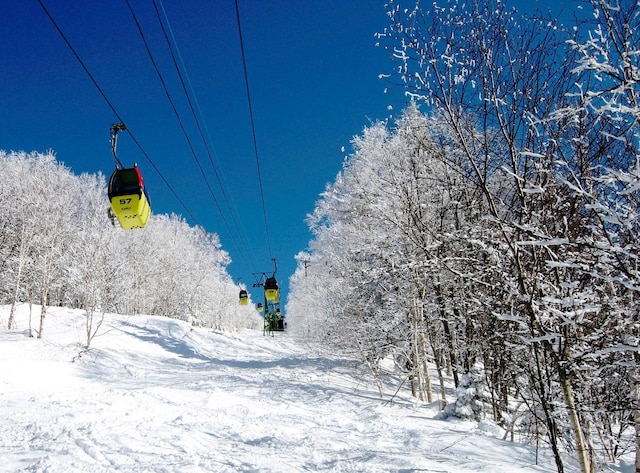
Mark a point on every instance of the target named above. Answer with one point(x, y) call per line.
point(155, 395)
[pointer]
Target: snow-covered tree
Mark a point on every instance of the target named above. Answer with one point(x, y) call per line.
point(551, 115)
point(58, 247)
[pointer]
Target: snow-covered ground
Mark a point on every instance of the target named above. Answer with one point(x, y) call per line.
point(156, 395)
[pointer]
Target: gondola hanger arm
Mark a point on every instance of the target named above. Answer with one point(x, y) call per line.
point(115, 128)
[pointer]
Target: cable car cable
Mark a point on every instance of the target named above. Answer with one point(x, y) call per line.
point(253, 130)
point(208, 140)
point(180, 122)
point(95, 83)
point(113, 109)
point(136, 141)
point(241, 236)
point(271, 294)
point(182, 127)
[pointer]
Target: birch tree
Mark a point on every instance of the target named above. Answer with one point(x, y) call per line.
point(510, 99)
point(59, 248)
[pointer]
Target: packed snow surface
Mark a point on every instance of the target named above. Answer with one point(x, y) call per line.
point(157, 395)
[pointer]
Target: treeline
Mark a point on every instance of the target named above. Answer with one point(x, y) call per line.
point(58, 247)
point(493, 238)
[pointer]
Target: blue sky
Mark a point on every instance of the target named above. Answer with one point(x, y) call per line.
point(313, 71)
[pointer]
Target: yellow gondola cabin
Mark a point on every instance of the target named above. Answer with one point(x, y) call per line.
point(271, 290)
point(128, 197)
point(244, 297)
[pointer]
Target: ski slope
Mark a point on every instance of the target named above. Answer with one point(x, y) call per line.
point(156, 395)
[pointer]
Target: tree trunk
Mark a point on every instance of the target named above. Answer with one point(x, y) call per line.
point(425, 368)
point(586, 465)
point(30, 318)
point(418, 355)
point(12, 321)
point(452, 357)
point(414, 369)
point(636, 412)
point(538, 379)
point(438, 361)
point(43, 311)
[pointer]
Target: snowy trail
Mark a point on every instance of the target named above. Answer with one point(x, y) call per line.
point(155, 395)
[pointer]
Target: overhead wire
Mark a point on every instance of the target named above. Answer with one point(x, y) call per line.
point(113, 109)
point(253, 131)
point(163, 82)
point(232, 211)
point(182, 126)
point(174, 108)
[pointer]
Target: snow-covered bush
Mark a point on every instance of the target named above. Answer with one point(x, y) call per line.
point(472, 398)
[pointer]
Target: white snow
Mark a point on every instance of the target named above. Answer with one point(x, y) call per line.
point(156, 395)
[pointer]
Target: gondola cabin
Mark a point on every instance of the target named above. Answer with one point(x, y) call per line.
point(260, 308)
point(244, 297)
point(128, 197)
point(271, 290)
point(281, 324)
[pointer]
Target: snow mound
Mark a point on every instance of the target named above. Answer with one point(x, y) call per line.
point(157, 395)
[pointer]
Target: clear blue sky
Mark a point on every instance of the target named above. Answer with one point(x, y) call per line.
point(313, 71)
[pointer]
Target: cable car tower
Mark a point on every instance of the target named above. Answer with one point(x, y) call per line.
point(274, 321)
point(273, 318)
point(130, 204)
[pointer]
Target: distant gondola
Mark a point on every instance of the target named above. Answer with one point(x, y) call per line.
point(269, 309)
point(244, 297)
point(271, 290)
